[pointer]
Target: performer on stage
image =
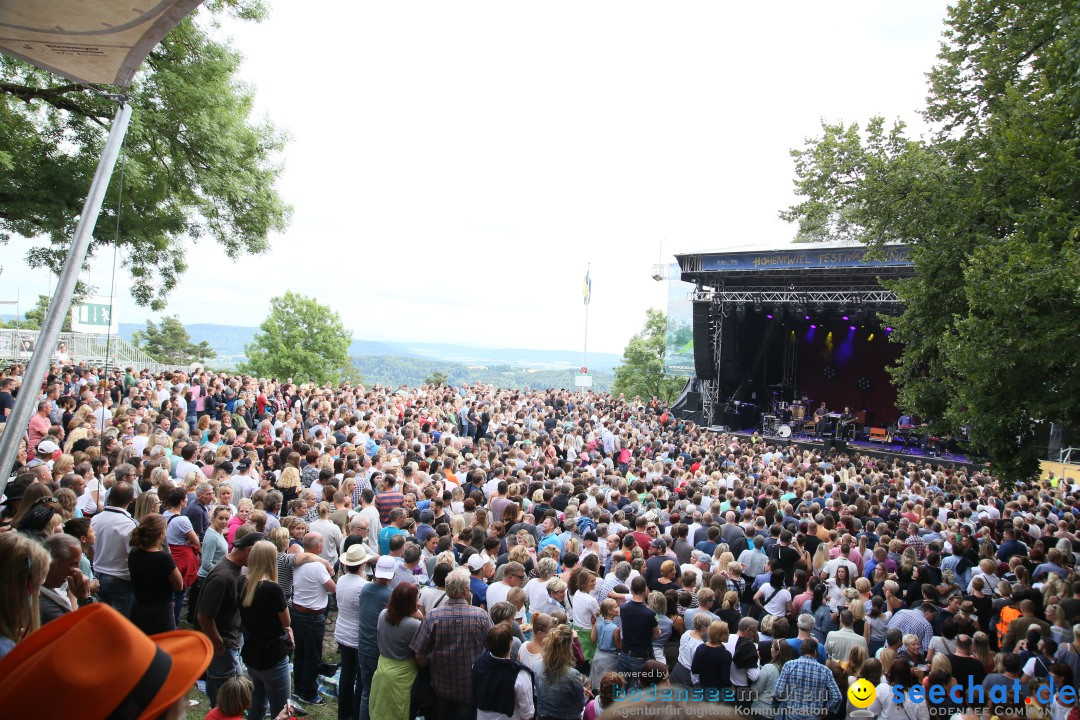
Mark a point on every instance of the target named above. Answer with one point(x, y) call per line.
point(847, 420)
point(821, 420)
point(903, 426)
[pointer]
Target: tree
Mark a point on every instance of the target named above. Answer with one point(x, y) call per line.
point(34, 318)
point(170, 343)
point(302, 340)
point(437, 377)
point(642, 370)
point(990, 203)
point(195, 164)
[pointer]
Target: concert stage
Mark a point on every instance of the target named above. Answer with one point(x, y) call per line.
point(885, 451)
point(778, 332)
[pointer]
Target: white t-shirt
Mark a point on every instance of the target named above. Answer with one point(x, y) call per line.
point(184, 467)
point(86, 500)
point(347, 628)
point(497, 593)
point(523, 703)
point(309, 589)
point(585, 608)
point(777, 601)
point(535, 591)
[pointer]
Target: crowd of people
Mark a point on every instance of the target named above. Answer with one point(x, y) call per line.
point(496, 553)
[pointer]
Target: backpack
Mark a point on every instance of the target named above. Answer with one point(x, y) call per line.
point(1008, 614)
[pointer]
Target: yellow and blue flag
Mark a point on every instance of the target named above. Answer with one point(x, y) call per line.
point(587, 289)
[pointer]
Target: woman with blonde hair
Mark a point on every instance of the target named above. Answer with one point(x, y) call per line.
point(79, 433)
point(244, 508)
point(62, 466)
point(289, 484)
point(265, 617)
point(980, 650)
point(146, 504)
point(24, 563)
point(560, 689)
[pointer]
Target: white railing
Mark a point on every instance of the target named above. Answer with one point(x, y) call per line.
point(16, 346)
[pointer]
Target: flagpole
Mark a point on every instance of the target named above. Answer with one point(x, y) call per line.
point(588, 301)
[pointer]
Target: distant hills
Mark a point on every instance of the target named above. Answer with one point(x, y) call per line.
point(229, 341)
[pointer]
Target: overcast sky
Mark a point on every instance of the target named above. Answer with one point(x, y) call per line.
point(454, 167)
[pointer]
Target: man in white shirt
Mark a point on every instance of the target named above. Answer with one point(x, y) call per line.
point(185, 466)
point(112, 528)
point(513, 576)
point(311, 587)
point(243, 483)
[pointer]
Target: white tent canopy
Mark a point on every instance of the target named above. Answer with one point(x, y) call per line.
point(88, 41)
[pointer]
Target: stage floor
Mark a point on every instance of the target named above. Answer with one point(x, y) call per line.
point(882, 450)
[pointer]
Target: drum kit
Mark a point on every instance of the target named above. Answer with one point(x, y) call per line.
point(784, 419)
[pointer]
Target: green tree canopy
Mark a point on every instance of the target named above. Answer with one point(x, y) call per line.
point(990, 203)
point(170, 343)
point(195, 163)
point(437, 377)
point(34, 318)
point(642, 370)
point(302, 340)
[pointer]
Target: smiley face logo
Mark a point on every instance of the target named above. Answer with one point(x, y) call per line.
point(862, 693)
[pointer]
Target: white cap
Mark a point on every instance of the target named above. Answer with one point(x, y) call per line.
point(384, 569)
point(477, 562)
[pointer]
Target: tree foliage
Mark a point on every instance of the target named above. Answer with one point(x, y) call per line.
point(195, 164)
point(34, 318)
point(302, 340)
point(990, 203)
point(437, 377)
point(642, 370)
point(170, 343)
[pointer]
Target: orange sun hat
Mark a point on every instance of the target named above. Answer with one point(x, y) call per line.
point(95, 665)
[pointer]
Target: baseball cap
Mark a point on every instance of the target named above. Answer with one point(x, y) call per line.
point(47, 447)
point(658, 544)
point(248, 540)
point(701, 556)
point(244, 464)
point(384, 569)
point(477, 562)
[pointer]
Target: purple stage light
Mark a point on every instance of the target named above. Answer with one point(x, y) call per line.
point(888, 329)
point(807, 317)
point(846, 317)
point(812, 327)
point(769, 316)
point(851, 328)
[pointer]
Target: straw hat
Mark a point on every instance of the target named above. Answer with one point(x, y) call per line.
point(94, 664)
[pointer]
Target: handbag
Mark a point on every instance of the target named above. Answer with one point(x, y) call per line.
point(268, 653)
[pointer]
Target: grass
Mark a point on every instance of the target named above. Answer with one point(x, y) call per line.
point(199, 705)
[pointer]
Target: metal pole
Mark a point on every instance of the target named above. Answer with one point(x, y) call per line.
point(26, 403)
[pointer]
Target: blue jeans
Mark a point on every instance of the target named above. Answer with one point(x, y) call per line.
point(630, 666)
point(348, 702)
point(117, 593)
point(223, 666)
point(308, 629)
point(368, 664)
point(178, 600)
point(271, 685)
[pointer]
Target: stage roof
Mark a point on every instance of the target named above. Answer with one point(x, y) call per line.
point(797, 264)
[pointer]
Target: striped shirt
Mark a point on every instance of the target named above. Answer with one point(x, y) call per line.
point(387, 501)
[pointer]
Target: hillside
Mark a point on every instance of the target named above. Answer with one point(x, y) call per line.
point(229, 340)
point(394, 370)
